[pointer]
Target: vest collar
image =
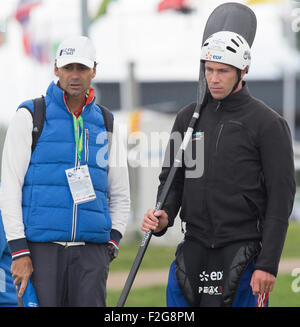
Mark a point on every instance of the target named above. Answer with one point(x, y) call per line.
point(57, 95)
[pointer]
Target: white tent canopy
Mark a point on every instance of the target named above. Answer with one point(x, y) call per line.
point(164, 46)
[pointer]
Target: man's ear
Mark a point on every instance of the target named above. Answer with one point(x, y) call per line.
point(55, 70)
point(244, 72)
point(94, 72)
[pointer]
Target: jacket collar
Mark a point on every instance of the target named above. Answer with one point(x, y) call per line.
point(234, 101)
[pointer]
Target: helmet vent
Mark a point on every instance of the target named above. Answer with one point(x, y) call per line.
point(240, 39)
point(233, 41)
point(205, 44)
point(231, 49)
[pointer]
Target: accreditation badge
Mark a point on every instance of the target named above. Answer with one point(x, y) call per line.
point(80, 184)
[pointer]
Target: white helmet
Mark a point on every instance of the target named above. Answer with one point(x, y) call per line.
point(227, 48)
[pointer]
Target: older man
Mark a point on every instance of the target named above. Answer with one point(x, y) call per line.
point(64, 205)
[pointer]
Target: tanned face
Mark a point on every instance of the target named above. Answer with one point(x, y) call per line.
point(75, 79)
point(221, 79)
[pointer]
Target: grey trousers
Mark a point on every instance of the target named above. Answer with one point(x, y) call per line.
point(73, 276)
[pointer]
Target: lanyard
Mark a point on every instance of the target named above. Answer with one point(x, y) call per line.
point(78, 140)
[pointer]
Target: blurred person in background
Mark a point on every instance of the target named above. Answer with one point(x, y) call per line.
point(8, 294)
point(65, 206)
point(237, 212)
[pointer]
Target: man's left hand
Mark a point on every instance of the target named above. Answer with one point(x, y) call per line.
point(113, 249)
point(262, 282)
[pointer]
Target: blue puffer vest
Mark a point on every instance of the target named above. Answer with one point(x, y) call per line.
point(49, 213)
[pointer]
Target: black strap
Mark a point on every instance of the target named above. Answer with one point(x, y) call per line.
point(109, 123)
point(38, 117)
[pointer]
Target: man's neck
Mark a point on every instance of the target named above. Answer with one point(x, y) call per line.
point(75, 103)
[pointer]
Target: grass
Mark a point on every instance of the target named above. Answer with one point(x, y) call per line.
point(156, 257)
point(140, 297)
point(292, 244)
point(281, 296)
point(159, 257)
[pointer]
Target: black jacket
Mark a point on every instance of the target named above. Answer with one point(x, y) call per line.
point(247, 188)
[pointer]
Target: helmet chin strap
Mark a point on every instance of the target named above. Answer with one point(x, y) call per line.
point(239, 73)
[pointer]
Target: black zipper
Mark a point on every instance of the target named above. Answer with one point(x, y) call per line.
point(210, 160)
point(236, 122)
point(218, 106)
point(219, 136)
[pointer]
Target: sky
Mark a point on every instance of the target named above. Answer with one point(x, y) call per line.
point(164, 46)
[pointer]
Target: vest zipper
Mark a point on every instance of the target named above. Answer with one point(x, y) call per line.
point(86, 145)
point(74, 219)
point(74, 222)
